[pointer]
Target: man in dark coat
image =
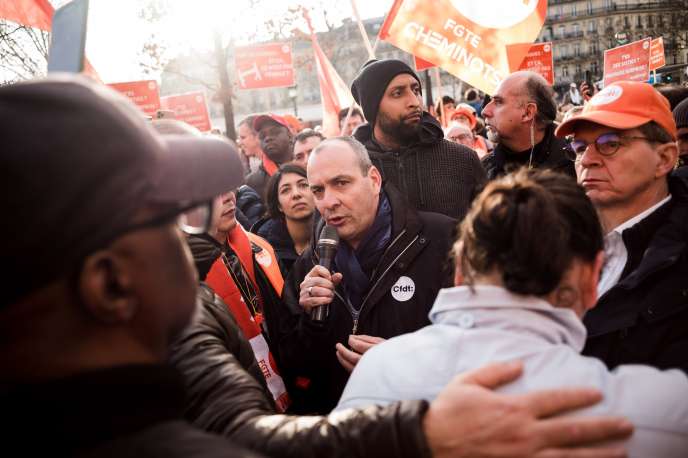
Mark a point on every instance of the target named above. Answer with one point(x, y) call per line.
point(390, 263)
point(520, 122)
point(88, 312)
point(625, 145)
point(407, 145)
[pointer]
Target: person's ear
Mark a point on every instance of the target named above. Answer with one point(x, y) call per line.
point(458, 271)
point(375, 176)
point(668, 156)
point(591, 277)
point(107, 288)
point(530, 112)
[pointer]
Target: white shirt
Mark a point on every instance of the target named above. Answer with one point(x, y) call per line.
point(615, 252)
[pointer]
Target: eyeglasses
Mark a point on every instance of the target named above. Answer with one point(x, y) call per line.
point(606, 144)
point(194, 219)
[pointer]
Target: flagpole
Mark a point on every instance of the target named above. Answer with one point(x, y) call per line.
point(371, 55)
point(439, 95)
point(361, 28)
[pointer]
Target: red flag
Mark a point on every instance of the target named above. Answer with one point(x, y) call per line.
point(334, 93)
point(37, 14)
point(32, 13)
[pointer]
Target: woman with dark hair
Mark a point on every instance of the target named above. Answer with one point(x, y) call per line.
point(289, 220)
point(528, 262)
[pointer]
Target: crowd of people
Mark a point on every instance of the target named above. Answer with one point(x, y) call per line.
point(508, 281)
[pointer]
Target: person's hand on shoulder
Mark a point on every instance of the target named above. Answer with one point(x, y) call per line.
point(468, 419)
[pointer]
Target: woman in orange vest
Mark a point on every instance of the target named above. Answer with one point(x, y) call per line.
point(242, 269)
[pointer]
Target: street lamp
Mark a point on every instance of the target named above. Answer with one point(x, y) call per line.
point(293, 94)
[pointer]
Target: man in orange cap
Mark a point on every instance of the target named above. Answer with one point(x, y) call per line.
point(624, 147)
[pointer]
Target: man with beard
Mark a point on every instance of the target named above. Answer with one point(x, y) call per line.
point(520, 122)
point(407, 145)
point(277, 142)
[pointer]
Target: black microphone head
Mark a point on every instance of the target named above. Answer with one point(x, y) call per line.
point(329, 236)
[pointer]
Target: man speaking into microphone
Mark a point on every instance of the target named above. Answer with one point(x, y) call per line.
point(390, 262)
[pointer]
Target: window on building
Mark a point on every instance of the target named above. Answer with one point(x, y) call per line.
point(562, 30)
point(650, 21)
point(579, 69)
point(592, 25)
point(565, 71)
point(577, 49)
point(638, 21)
point(576, 29)
point(594, 68)
point(627, 22)
point(589, 7)
point(574, 10)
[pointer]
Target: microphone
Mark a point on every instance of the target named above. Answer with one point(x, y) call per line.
point(326, 249)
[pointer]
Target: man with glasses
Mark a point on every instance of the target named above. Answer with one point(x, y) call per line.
point(624, 148)
point(99, 280)
point(520, 122)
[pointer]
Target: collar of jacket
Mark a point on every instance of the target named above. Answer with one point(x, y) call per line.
point(89, 408)
point(547, 150)
point(430, 133)
point(494, 307)
point(409, 219)
point(664, 233)
point(661, 240)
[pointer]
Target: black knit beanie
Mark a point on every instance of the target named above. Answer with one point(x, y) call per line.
point(681, 114)
point(370, 84)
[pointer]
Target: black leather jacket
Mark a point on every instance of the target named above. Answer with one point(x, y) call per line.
point(226, 396)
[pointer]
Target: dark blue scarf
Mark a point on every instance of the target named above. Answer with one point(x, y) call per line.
point(357, 266)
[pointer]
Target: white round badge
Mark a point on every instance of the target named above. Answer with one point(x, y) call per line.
point(264, 258)
point(496, 14)
point(607, 95)
point(403, 289)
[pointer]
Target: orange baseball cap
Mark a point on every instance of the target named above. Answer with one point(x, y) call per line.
point(463, 111)
point(624, 105)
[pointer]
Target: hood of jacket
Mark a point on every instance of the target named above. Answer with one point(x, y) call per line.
point(498, 308)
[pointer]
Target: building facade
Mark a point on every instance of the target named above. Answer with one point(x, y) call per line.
point(581, 30)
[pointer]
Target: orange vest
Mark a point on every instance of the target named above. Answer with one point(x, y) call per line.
point(223, 284)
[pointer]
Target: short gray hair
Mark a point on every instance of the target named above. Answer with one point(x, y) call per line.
point(357, 147)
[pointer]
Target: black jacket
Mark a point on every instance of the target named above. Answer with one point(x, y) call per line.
point(121, 411)
point(643, 319)
point(550, 153)
point(227, 396)
point(434, 174)
point(419, 250)
point(250, 204)
point(275, 231)
point(258, 181)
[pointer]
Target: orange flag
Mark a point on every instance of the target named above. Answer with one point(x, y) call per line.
point(37, 14)
point(467, 38)
point(334, 93)
point(32, 13)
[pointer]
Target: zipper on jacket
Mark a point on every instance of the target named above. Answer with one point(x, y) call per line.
point(355, 328)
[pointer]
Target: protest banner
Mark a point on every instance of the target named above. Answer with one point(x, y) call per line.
point(538, 59)
point(190, 108)
point(264, 66)
point(422, 64)
point(144, 94)
point(32, 13)
point(466, 38)
point(657, 59)
point(629, 62)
